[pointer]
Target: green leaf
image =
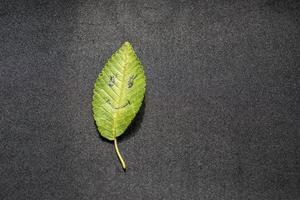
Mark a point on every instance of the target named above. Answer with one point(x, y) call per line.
point(118, 94)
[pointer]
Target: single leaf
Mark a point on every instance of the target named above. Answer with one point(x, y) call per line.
point(118, 94)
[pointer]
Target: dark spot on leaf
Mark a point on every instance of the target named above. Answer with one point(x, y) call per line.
point(111, 81)
point(130, 81)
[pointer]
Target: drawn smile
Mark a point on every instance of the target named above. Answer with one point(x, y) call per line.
point(123, 106)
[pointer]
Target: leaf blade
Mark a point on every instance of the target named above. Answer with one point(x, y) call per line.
point(117, 98)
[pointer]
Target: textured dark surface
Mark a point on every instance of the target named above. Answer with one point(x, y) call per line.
point(220, 119)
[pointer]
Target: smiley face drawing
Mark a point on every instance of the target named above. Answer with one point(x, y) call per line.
point(111, 84)
point(118, 92)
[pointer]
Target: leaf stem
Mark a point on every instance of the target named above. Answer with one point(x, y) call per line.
point(119, 155)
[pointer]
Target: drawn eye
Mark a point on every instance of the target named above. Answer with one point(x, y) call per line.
point(130, 81)
point(111, 81)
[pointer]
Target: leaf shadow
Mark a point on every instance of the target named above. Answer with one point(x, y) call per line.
point(132, 128)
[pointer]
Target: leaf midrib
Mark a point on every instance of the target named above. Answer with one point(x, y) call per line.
point(123, 82)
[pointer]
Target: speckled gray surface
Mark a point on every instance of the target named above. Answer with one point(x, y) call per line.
point(220, 118)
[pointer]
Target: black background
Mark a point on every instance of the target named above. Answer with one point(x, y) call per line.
point(220, 118)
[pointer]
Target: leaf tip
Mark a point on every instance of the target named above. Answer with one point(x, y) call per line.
point(127, 44)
